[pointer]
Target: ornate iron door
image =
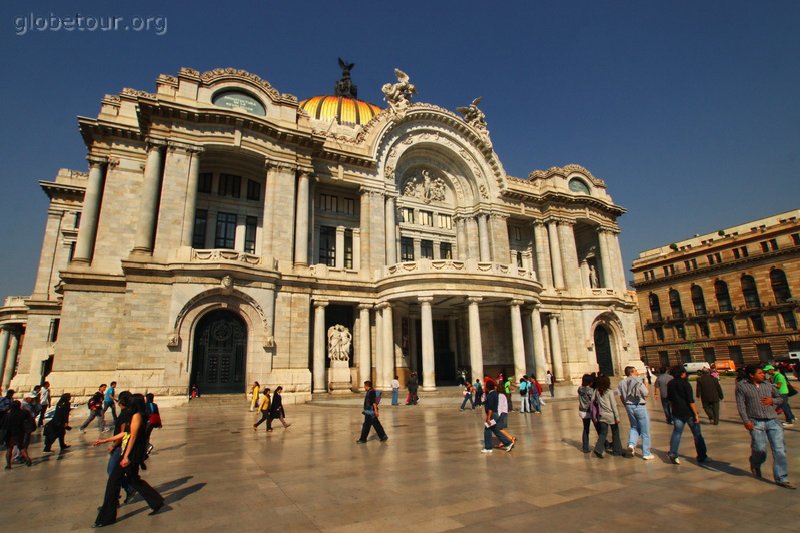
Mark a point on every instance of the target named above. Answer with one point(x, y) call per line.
point(219, 353)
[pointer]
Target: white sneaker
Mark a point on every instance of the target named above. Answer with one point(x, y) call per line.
point(632, 449)
point(486, 451)
point(787, 424)
point(648, 457)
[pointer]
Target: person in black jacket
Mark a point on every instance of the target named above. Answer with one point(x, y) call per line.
point(16, 425)
point(58, 425)
point(371, 415)
point(684, 412)
point(276, 410)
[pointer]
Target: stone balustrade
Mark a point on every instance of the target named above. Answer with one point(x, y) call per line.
point(469, 266)
point(215, 255)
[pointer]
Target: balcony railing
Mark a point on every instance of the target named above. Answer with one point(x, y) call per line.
point(470, 266)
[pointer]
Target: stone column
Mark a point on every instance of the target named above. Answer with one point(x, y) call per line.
point(47, 266)
point(320, 384)
point(517, 343)
point(500, 246)
point(364, 359)
point(475, 348)
point(569, 256)
point(11, 360)
point(527, 334)
point(5, 335)
point(385, 381)
point(461, 239)
point(428, 361)
point(356, 249)
point(483, 238)
point(544, 272)
point(301, 219)
point(151, 191)
point(616, 258)
point(412, 342)
point(473, 247)
point(606, 268)
point(437, 250)
point(339, 247)
point(90, 213)
point(555, 254)
point(417, 249)
point(538, 344)
point(391, 237)
point(555, 348)
point(191, 196)
point(379, 360)
point(268, 209)
point(365, 233)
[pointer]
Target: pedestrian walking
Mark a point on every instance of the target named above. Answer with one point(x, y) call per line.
point(585, 394)
point(756, 399)
point(44, 398)
point(490, 424)
point(395, 391)
point(263, 409)
point(502, 420)
point(607, 418)
point(254, 394)
point(413, 386)
point(57, 427)
point(153, 418)
point(507, 388)
point(710, 393)
point(371, 415)
point(662, 380)
point(276, 410)
point(551, 384)
point(779, 380)
point(684, 411)
point(633, 394)
point(478, 392)
point(17, 425)
point(95, 406)
point(467, 396)
point(110, 401)
point(535, 395)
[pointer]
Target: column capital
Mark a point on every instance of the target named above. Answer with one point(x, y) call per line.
point(305, 172)
point(425, 299)
point(503, 216)
point(516, 302)
point(96, 160)
point(189, 148)
point(537, 222)
point(321, 303)
point(391, 195)
point(364, 307)
point(368, 191)
point(271, 164)
point(154, 142)
point(382, 305)
point(475, 299)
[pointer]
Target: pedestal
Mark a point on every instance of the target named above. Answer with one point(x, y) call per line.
point(339, 381)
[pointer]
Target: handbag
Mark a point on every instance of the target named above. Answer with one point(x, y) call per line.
point(792, 390)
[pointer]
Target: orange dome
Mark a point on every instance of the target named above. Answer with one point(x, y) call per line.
point(343, 109)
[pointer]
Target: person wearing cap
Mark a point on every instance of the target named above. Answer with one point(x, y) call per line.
point(756, 399)
point(779, 380)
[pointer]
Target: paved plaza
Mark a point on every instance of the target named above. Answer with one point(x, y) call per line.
point(218, 474)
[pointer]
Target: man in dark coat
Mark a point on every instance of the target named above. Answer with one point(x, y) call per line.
point(710, 393)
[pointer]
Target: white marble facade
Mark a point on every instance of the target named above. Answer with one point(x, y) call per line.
point(220, 230)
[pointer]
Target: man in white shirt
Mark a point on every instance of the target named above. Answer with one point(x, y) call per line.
point(395, 390)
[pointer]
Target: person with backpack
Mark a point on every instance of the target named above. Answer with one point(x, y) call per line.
point(523, 395)
point(153, 418)
point(633, 393)
point(467, 396)
point(276, 409)
point(606, 414)
point(371, 415)
point(263, 408)
point(478, 393)
point(490, 426)
point(535, 395)
point(585, 394)
point(95, 406)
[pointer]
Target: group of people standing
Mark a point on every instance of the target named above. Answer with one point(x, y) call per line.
point(269, 405)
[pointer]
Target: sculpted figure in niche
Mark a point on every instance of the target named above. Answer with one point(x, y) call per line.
point(398, 95)
point(593, 281)
point(339, 339)
point(429, 190)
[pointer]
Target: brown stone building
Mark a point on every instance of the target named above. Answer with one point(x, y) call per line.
point(731, 294)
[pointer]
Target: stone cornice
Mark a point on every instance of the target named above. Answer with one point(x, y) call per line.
point(53, 189)
point(563, 172)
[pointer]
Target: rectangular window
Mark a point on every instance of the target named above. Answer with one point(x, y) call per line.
point(687, 265)
point(230, 185)
point(520, 262)
point(253, 190)
point(764, 246)
point(764, 352)
point(200, 225)
point(663, 358)
point(349, 206)
point(426, 249)
point(71, 252)
point(710, 258)
point(226, 231)
point(796, 239)
point(709, 356)
point(758, 323)
point(718, 257)
point(348, 249)
point(789, 321)
point(773, 244)
point(77, 220)
point(735, 353)
point(680, 331)
point(445, 221)
point(694, 264)
point(704, 331)
point(730, 326)
point(327, 245)
point(736, 253)
point(251, 223)
point(52, 333)
point(685, 356)
point(446, 250)
point(406, 249)
point(666, 270)
point(659, 334)
point(745, 253)
point(408, 215)
point(328, 202)
point(517, 233)
point(204, 182)
point(426, 218)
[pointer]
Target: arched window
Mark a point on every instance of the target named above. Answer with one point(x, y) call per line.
point(723, 297)
point(750, 292)
point(675, 304)
point(698, 300)
point(655, 308)
point(780, 287)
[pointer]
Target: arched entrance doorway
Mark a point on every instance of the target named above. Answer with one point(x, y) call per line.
point(218, 357)
point(602, 347)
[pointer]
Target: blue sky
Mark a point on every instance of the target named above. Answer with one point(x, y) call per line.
point(687, 109)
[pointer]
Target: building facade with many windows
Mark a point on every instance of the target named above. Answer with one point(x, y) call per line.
point(732, 294)
point(226, 232)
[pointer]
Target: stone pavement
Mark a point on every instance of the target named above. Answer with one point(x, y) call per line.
point(217, 474)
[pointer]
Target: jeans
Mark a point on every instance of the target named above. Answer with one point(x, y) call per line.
point(524, 405)
point(394, 396)
point(587, 422)
point(787, 410)
point(712, 411)
point(113, 407)
point(667, 408)
point(640, 426)
point(371, 421)
point(113, 459)
point(600, 445)
point(536, 405)
point(552, 390)
point(478, 397)
point(771, 430)
point(467, 398)
point(494, 430)
point(98, 414)
point(675, 439)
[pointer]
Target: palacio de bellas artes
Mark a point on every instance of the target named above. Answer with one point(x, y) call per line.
point(225, 232)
